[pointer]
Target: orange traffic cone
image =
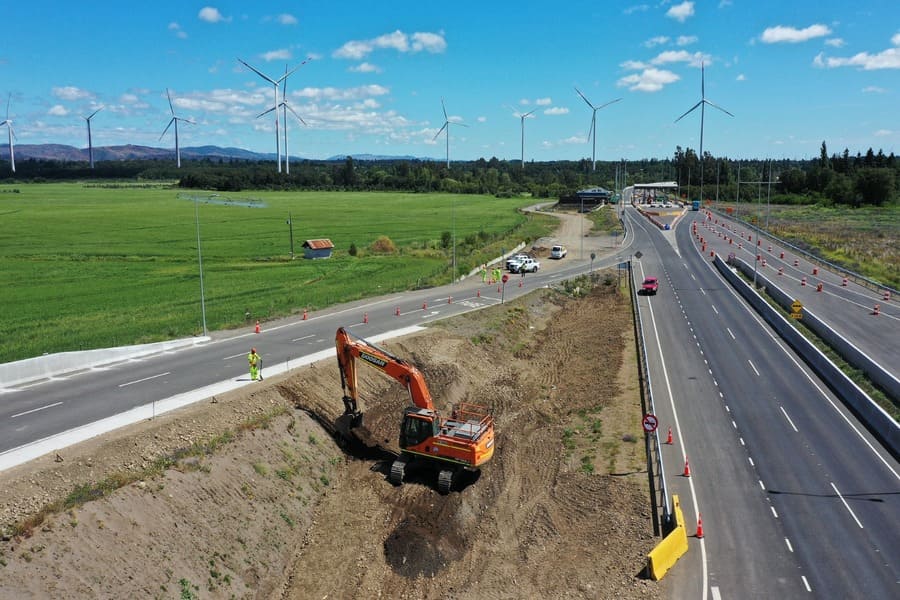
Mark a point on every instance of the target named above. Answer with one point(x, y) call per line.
point(449, 299)
point(877, 310)
point(304, 314)
point(397, 312)
point(699, 526)
point(687, 467)
point(669, 437)
point(365, 317)
point(424, 306)
point(478, 294)
point(257, 327)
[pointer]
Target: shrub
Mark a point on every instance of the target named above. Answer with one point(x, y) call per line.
point(383, 245)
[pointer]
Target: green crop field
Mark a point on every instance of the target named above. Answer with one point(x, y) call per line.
point(90, 267)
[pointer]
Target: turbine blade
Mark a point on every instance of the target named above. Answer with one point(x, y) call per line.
point(286, 74)
point(702, 80)
point(593, 124)
point(526, 115)
point(269, 79)
point(719, 107)
point(608, 103)
point(444, 108)
point(169, 96)
point(262, 114)
point(88, 118)
point(167, 128)
point(8, 100)
point(443, 127)
point(583, 97)
point(288, 106)
point(693, 108)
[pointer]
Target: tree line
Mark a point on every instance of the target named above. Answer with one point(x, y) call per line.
point(870, 178)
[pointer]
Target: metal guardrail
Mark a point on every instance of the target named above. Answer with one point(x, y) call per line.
point(651, 441)
point(852, 275)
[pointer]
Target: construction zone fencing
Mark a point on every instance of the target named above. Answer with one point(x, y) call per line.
point(661, 524)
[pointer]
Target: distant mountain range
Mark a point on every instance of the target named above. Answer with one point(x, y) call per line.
point(62, 152)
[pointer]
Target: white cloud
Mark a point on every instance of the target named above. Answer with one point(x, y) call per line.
point(543, 101)
point(741, 77)
point(650, 80)
point(286, 19)
point(58, 110)
point(281, 54)
point(887, 59)
point(680, 12)
point(338, 94)
point(895, 39)
point(883, 133)
point(873, 89)
point(656, 41)
point(481, 119)
point(177, 30)
point(676, 56)
point(835, 42)
point(633, 65)
point(724, 3)
point(365, 67)
point(686, 40)
point(636, 8)
point(557, 110)
point(792, 35)
point(399, 41)
point(433, 43)
point(211, 15)
point(575, 139)
point(70, 92)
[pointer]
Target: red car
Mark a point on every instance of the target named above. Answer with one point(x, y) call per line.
point(650, 286)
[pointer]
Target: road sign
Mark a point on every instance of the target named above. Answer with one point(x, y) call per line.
point(505, 278)
point(796, 306)
point(650, 423)
point(796, 315)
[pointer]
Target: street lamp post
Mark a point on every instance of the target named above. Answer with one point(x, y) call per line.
point(200, 263)
point(290, 223)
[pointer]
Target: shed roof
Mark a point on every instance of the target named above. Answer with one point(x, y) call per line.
point(320, 244)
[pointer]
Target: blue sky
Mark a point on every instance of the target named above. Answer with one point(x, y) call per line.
point(793, 73)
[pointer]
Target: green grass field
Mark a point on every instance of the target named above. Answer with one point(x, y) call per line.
point(90, 267)
point(865, 240)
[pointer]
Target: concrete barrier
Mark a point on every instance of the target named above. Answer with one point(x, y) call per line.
point(875, 418)
point(55, 365)
point(672, 547)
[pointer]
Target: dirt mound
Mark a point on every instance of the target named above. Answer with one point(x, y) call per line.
point(248, 497)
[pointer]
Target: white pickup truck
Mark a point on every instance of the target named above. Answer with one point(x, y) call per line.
point(528, 265)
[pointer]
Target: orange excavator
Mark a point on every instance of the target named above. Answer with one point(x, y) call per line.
point(464, 441)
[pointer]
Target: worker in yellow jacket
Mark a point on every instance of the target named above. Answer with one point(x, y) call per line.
point(255, 361)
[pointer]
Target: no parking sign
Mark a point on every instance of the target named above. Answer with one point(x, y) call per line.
point(650, 423)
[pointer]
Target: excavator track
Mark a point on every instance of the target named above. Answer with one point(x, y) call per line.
point(398, 471)
point(445, 480)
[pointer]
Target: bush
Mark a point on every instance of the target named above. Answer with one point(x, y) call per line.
point(383, 245)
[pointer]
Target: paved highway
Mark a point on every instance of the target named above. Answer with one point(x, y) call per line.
point(848, 309)
point(797, 498)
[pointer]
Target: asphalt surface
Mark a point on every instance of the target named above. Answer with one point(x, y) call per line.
point(797, 499)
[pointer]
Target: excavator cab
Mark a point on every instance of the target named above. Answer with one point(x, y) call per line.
point(418, 425)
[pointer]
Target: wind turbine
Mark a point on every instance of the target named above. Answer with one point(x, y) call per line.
point(593, 130)
point(522, 117)
point(446, 126)
point(275, 104)
point(285, 107)
point(12, 134)
point(174, 120)
point(702, 104)
point(90, 145)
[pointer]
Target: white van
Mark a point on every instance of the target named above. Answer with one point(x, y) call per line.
point(558, 251)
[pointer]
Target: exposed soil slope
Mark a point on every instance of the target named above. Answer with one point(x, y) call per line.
point(277, 509)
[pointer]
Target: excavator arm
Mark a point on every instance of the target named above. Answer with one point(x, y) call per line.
point(351, 348)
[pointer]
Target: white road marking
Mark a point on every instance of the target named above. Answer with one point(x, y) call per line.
point(789, 419)
point(774, 512)
point(751, 461)
point(715, 592)
point(715, 310)
point(790, 548)
point(847, 506)
point(729, 333)
point(761, 485)
point(753, 367)
point(805, 583)
point(33, 410)
point(303, 338)
point(233, 356)
point(121, 385)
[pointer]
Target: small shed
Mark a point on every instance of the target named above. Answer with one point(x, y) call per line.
point(317, 248)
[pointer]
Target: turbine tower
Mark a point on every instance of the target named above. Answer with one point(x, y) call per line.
point(90, 145)
point(446, 126)
point(702, 104)
point(12, 134)
point(275, 83)
point(593, 130)
point(174, 120)
point(285, 107)
point(522, 117)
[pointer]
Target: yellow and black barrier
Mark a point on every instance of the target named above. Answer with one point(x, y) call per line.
point(671, 548)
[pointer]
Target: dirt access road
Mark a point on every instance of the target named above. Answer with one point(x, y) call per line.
point(246, 496)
